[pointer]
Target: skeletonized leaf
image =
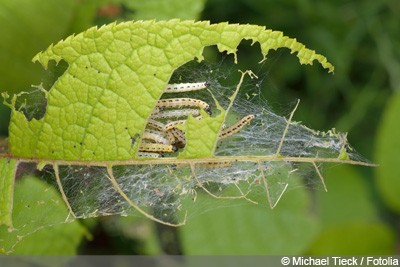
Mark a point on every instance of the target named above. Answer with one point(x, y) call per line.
point(115, 76)
point(95, 128)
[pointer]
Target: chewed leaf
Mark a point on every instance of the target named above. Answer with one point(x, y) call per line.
point(201, 136)
point(115, 76)
point(115, 141)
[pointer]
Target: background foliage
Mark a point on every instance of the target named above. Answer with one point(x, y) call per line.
point(359, 214)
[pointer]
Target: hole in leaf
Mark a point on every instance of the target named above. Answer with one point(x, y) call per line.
point(53, 72)
point(33, 102)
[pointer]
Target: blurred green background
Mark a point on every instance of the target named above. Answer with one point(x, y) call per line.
point(360, 212)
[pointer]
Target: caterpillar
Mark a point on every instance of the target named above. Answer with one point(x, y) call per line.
point(155, 136)
point(175, 113)
point(185, 87)
point(154, 147)
point(236, 127)
point(183, 102)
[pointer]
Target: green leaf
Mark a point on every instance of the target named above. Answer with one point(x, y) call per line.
point(349, 215)
point(357, 238)
point(39, 220)
point(7, 175)
point(388, 145)
point(251, 229)
point(347, 190)
point(98, 109)
point(121, 70)
point(201, 136)
point(57, 240)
